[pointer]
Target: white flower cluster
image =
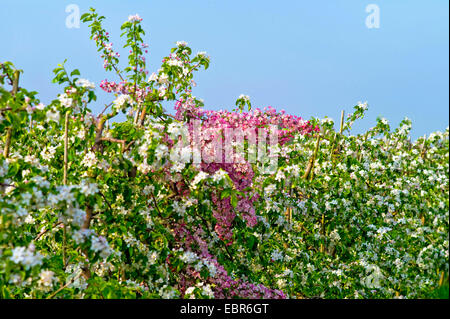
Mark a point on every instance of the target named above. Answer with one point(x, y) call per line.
point(122, 101)
point(203, 54)
point(49, 152)
point(75, 278)
point(211, 268)
point(327, 120)
point(334, 236)
point(89, 160)
point(179, 208)
point(85, 84)
point(199, 178)
point(80, 236)
point(163, 79)
point(177, 129)
point(189, 257)
point(4, 168)
point(219, 175)
point(153, 77)
point(144, 167)
point(74, 215)
point(87, 189)
point(204, 290)
point(362, 106)
point(245, 98)
point(180, 157)
point(374, 278)
point(152, 257)
point(100, 245)
point(52, 115)
point(134, 18)
point(167, 292)
point(47, 279)
point(175, 62)
point(277, 255)
point(26, 256)
point(65, 100)
point(384, 121)
point(270, 189)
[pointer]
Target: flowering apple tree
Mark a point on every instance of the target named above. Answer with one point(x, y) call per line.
point(249, 203)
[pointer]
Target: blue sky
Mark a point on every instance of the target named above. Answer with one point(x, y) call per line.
point(311, 58)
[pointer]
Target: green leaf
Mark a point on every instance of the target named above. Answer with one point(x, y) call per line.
point(75, 72)
point(225, 194)
point(234, 200)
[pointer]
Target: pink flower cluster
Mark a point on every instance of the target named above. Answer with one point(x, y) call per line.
point(102, 40)
point(224, 215)
point(213, 124)
point(287, 124)
point(224, 286)
point(124, 88)
point(113, 87)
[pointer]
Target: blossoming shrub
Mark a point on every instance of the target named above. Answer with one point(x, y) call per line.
point(92, 208)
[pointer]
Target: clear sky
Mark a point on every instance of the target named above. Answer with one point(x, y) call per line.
point(311, 58)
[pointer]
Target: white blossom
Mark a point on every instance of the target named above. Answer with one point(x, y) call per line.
point(85, 84)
